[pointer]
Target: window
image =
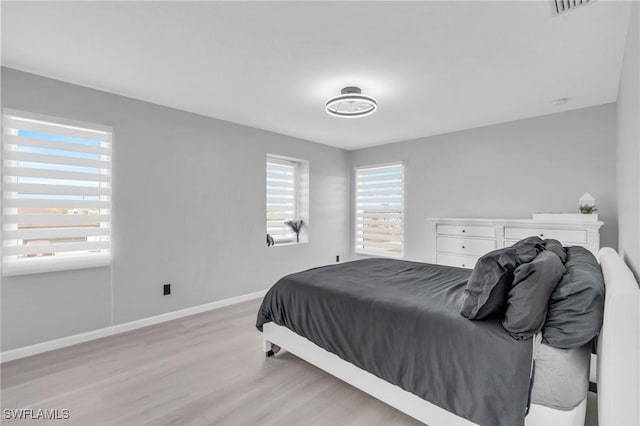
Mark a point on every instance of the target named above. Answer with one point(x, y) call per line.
point(287, 190)
point(380, 210)
point(56, 194)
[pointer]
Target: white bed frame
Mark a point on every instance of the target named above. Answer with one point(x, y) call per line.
point(617, 370)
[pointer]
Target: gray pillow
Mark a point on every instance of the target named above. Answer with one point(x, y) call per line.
point(528, 298)
point(576, 306)
point(556, 247)
point(489, 283)
point(527, 249)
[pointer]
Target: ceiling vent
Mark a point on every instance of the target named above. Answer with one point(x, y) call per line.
point(563, 6)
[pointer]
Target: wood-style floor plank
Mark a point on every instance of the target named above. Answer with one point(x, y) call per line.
point(206, 369)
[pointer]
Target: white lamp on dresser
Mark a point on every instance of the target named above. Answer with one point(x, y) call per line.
point(461, 242)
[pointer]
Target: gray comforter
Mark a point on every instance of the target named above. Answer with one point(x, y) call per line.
point(400, 321)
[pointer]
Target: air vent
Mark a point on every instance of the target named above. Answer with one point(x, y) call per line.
point(562, 6)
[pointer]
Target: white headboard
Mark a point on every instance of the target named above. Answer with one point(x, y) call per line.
point(619, 345)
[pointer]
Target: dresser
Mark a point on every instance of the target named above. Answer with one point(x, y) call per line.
point(461, 242)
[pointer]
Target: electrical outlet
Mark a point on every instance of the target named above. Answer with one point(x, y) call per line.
point(166, 289)
point(337, 258)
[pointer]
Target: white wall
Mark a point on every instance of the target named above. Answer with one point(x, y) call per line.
point(628, 177)
point(188, 208)
point(509, 170)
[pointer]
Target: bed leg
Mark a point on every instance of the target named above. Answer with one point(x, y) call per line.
point(267, 348)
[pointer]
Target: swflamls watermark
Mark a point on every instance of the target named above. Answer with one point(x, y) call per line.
point(36, 414)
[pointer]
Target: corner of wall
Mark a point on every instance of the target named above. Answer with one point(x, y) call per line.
point(628, 147)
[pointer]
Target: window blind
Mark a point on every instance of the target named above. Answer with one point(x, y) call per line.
point(380, 210)
point(56, 194)
point(282, 198)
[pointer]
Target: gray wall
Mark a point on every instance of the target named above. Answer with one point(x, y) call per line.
point(629, 148)
point(188, 208)
point(508, 170)
point(188, 201)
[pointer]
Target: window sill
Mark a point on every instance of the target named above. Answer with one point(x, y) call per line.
point(42, 265)
point(288, 244)
point(378, 254)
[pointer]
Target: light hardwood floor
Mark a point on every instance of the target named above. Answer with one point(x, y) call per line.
point(204, 369)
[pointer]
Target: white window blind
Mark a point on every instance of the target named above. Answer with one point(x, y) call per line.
point(56, 194)
point(282, 198)
point(380, 210)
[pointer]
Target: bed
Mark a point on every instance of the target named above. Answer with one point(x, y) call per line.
point(354, 329)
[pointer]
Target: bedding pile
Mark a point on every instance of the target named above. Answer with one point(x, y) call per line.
point(541, 289)
point(402, 322)
point(539, 286)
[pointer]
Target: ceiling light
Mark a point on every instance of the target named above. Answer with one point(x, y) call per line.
point(351, 103)
point(559, 101)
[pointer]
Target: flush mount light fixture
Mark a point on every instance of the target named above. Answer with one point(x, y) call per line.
point(351, 103)
point(559, 101)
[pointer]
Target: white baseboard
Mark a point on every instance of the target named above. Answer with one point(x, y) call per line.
point(51, 345)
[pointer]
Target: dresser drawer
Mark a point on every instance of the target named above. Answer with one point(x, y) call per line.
point(509, 243)
point(457, 260)
point(467, 231)
point(575, 236)
point(467, 246)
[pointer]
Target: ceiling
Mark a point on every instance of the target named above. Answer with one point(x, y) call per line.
point(434, 67)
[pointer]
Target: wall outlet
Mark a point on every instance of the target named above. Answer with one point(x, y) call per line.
point(166, 289)
point(337, 258)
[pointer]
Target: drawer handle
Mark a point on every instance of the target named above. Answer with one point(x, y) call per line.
point(464, 230)
point(463, 265)
point(542, 235)
point(463, 247)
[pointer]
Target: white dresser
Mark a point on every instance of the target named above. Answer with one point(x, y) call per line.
point(461, 242)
